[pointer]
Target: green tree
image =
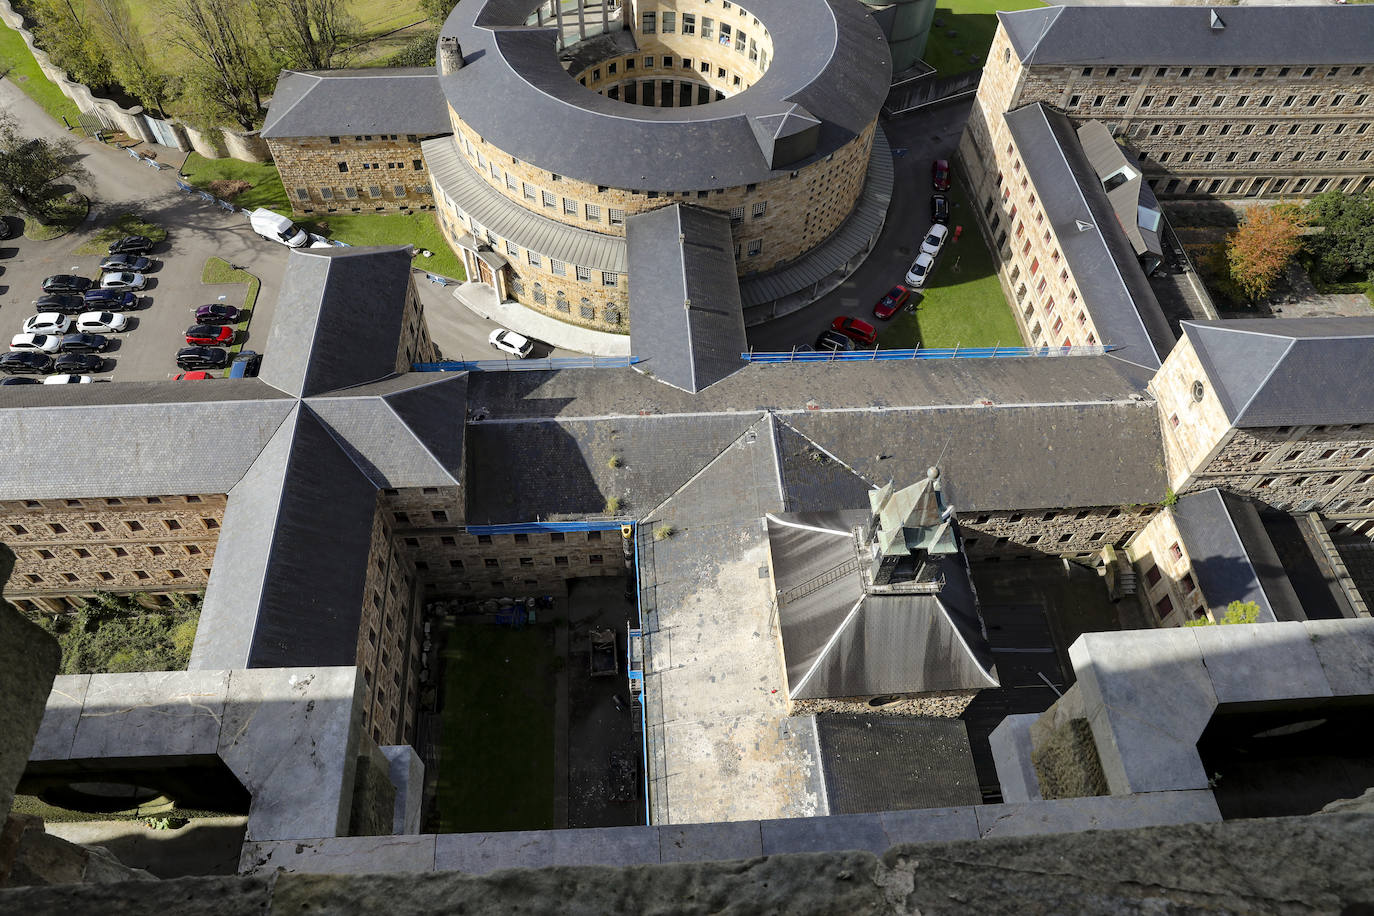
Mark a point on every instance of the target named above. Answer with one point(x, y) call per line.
point(63, 29)
point(129, 59)
point(35, 175)
point(438, 10)
point(1261, 247)
point(1236, 612)
point(231, 70)
point(1346, 244)
point(307, 34)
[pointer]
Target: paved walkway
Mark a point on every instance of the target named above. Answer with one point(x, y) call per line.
point(552, 337)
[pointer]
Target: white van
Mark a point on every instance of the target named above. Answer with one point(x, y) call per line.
point(277, 228)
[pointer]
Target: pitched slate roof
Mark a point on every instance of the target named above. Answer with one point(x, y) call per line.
point(686, 320)
point(829, 57)
point(1131, 199)
point(1111, 285)
point(338, 319)
point(323, 103)
point(1288, 371)
point(1296, 34)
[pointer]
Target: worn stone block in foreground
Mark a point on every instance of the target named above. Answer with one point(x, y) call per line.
point(28, 663)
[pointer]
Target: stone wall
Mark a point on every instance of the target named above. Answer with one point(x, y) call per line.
point(1072, 533)
point(388, 652)
point(353, 174)
point(1165, 572)
point(948, 704)
point(1194, 428)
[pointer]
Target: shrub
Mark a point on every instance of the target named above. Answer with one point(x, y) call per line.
point(612, 505)
point(615, 462)
point(663, 532)
point(229, 188)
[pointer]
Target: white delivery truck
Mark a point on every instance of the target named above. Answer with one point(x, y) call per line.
point(277, 228)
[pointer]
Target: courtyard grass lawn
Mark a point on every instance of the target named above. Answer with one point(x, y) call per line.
point(976, 23)
point(16, 57)
point(963, 304)
point(218, 270)
point(496, 766)
point(267, 190)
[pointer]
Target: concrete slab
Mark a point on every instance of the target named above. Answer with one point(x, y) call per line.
point(930, 825)
point(289, 736)
point(481, 853)
point(605, 846)
point(407, 772)
point(60, 715)
point(151, 714)
point(709, 842)
point(1269, 661)
point(1106, 812)
point(340, 855)
point(820, 834)
point(1011, 752)
point(1345, 650)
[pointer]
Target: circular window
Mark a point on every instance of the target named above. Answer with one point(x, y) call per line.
point(1198, 390)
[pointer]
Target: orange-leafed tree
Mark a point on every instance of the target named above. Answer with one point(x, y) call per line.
point(1261, 247)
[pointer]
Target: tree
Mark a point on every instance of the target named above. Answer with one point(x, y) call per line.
point(1259, 250)
point(1236, 612)
point(63, 29)
point(231, 70)
point(130, 61)
point(35, 175)
point(438, 10)
point(1347, 243)
point(307, 34)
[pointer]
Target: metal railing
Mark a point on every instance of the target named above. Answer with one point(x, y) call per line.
point(998, 352)
point(527, 365)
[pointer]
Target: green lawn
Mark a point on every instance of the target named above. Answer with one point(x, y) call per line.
point(16, 57)
point(975, 21)
point(267, 190)
point(963, 304)
point(218, 270)
point(496, 767)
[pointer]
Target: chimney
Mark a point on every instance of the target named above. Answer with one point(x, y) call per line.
point(450, 55)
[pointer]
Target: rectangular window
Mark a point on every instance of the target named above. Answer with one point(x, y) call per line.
point(617, 217)
point(593, 213)
point(755, 247)
point(610, 279)
point(689, 23)
point(569, 207)
point(534, 259)
point(708, 26)
point(558, 268)
point(759, 209)
point(528, 190)
point(550, 199)
point(648, 23)
point(584, 274)
point(668, 18)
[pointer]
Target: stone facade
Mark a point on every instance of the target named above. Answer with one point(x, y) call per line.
point(1216, 131)
point(147, 546)
point(1165, 570)
point(415, 344)
point(1072, 533)
point(360, 174)
point(389, 636)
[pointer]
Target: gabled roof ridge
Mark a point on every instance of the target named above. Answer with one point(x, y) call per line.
point(1051, 16)
point(823, 450)
point(1233, 326)
point(707, 466)
point(1264, 382)
point(304, 95)
point(949, 619)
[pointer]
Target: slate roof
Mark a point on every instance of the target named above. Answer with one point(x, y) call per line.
point(686, 320)
point(1295, 34)
point(1288, 371)
point(338, 319)
point(736, 488)
point(1111, 285)
point(1127, 198)
point(841, 641)
point(830, 58)
point(482, 203)
point(323, 103)
point(1232, 557)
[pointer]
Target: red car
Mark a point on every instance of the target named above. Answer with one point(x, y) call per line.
point(858, 331)
point(939, 174)
point(209, 335)
point(892, 302)
point(198, 376)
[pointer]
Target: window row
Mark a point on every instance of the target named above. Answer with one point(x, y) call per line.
point(1223, 72)
point(105, 576)
point(1255, 156)
point(132, 526)
point(107, 501)
point(410, 138)
point(85, 553)
point(1264, 184)
point(722, 32)
point(1260, 100)
point(658, 63)
point(594, 559)
point(609, 312)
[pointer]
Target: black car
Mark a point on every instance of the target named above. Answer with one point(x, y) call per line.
point(78, 362)
point(217, 314)
point(62, 303)
point(84, 343)
point(132, 244)
point(202, 358)
point(19, 380)
point(25, 363)
point(110, 300)
point(939, 209)
point(832, 341)
point(67, 283)
point(132, 262)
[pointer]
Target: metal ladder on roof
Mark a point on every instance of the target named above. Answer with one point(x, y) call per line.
point(819, 581)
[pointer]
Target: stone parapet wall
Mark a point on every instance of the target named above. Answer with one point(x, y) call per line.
point(376, 166)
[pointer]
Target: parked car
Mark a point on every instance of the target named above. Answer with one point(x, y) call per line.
point(920, 270)
point(132, 244)
point(6, 230)
point(48, 323)
point(939, 174)
point(78, 362)
point(112, 299)
point(217, 314)
point(38, 343)
point(65, 303)
point(101, 322)
point(123, 280)
point(209, 334)
point(856, 330)
point(934, 240)
point(833, 341)
point(67, 379)
point(66, 283)
point(896, 297)
point(85, 343)
point(129, 262)
point(197, 376)
point(19, 380)
point(246, 364)
point(27, 363)
point(939, 209)
point(510, 342)
point(202, 358)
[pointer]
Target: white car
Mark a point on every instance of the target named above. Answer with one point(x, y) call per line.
point(920, 270)
point(67, 380)
point(511, 342)
point(934, 240)
point(48, 323)
point(101, 322)
point(35, 343)
point(123, 279)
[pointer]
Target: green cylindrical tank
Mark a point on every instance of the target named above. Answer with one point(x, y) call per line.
point(906, 23)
